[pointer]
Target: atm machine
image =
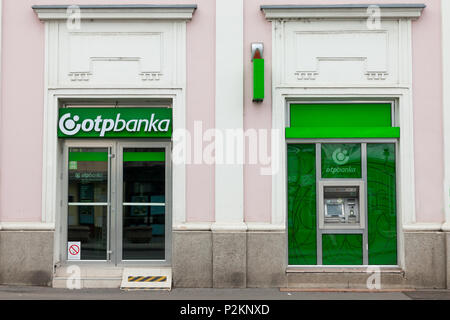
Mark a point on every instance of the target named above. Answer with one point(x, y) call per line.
point(341, 205)
point(341, 232)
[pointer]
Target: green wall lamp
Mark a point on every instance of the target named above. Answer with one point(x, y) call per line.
point(258, 72)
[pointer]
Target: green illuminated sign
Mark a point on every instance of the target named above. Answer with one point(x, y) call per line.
point(258, 80)
point(115, 123)
point(341, 161)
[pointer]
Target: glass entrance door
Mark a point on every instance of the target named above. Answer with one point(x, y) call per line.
point(88, 203)
point(117, 202)
point(142, 202)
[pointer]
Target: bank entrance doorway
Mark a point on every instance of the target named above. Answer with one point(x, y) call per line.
point(117, 201)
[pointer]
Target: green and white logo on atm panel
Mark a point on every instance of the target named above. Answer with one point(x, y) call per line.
point(340, 156)
point(115, 122)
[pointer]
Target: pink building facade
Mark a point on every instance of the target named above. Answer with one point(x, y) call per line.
point(212, 200)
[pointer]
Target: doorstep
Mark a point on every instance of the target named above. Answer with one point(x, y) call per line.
point(346, 278)
point(93, 277)
point(364, 269)
point(65, 277)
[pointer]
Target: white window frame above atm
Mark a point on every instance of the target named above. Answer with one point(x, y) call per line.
point(362, 204)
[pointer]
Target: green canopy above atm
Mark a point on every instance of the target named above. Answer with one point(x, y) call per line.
point(341, 120)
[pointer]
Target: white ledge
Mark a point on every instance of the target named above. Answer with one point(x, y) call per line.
point(115, 12)
point(192, 226)
point(446, 227)
point(27, 226)
point(390, 11)
point(257, 226)
point(228, 227)
point(424, 227)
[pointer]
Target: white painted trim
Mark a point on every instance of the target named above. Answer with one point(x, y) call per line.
point(229, 179)
point(424, 227)
point(193, 226)
point(210, 226)
point(339, 12)
point(445, 9)
point(48, 13)
point(229, 227)
point(27, 226)
point(256, 226)
point(446, 227)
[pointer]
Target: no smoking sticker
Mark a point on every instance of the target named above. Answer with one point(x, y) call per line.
point(73, 250)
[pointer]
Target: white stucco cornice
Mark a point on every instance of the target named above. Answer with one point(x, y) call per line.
point(350, 11)
point(114, 12)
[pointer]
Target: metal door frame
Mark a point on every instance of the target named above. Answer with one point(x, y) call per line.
point(114, 199)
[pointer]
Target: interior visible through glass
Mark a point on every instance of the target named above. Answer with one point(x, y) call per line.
point(88, 201)
point(144, 204)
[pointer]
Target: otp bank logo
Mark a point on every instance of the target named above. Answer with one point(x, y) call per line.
point(340, 157)
point(69, 126)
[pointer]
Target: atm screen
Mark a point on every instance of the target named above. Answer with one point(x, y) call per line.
point(335, 210)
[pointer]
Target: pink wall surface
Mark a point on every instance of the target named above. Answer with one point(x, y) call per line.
point(22, 105)
point(257, 208)
point(427, 99)
point(23, 95)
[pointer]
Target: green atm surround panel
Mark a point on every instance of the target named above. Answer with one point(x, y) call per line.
point(342, 161)
point(302, 204)
point(341, 121)
point(342, 248)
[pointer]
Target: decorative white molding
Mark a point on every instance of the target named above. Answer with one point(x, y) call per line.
point(151, 76)
point(388, 12)
point(377, 75)
point(119, 54)
point(114, 12)
point(306, 75)
point(80, 76)
point(358, 55)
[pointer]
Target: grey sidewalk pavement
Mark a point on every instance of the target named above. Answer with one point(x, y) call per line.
point(45, 293)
